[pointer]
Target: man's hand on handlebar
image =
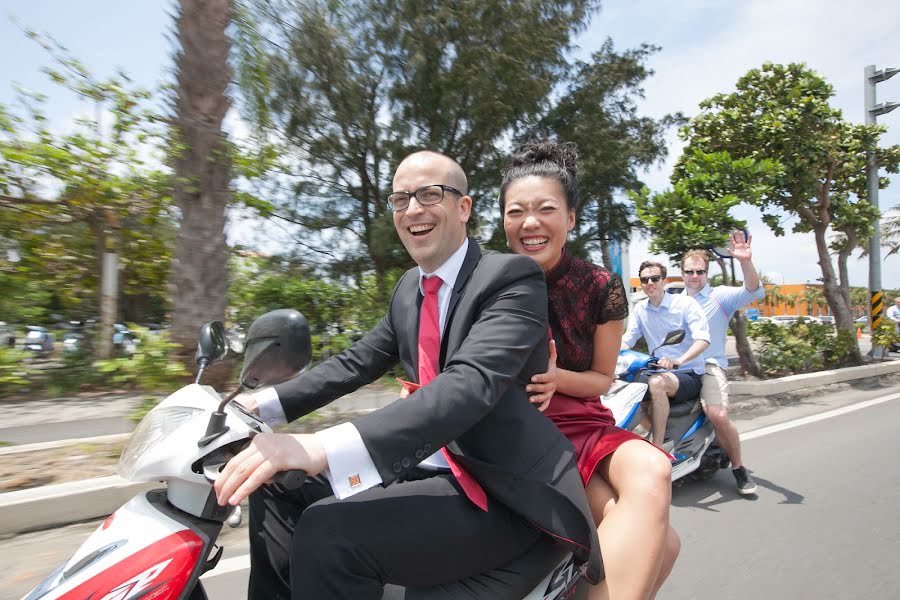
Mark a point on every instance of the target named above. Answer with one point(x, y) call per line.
point(265, 456)
point(667, 363)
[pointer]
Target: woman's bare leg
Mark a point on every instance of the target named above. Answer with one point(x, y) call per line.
point(630, 497)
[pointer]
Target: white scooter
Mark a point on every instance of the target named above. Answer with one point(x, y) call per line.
point(160, 542)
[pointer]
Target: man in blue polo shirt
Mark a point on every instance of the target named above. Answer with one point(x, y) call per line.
point(653, 318)
point(720, 303)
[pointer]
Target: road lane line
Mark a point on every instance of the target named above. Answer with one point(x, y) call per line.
point(815, 418)
point(240, 563)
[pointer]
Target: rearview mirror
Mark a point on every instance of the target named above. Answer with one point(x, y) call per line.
point(675, 336)
point(212, 345)
point(277, 347)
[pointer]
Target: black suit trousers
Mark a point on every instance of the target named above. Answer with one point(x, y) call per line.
point(424, 535)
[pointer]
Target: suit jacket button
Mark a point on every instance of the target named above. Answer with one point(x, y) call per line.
point(420, 454)
point(427, 447)
point(397, 467)
point(405, 462)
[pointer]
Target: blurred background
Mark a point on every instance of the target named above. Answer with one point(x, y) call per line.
point(163, 164)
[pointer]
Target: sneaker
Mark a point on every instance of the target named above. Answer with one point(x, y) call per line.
point(745, 483)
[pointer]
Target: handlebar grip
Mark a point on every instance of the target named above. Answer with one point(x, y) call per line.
point(291, 479)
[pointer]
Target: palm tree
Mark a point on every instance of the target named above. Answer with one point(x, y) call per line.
point(201, 165)
point(890, 231)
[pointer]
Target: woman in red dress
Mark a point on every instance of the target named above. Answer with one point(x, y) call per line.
point(628, 481)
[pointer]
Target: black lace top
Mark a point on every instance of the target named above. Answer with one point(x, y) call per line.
point(582, 295)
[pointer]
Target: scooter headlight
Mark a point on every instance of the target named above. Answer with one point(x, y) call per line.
point(155, 427)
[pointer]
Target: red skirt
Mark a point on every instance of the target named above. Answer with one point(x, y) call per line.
point(590, 427)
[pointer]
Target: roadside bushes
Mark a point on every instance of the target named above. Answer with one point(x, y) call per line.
point(801, 347)
point(153, 365)
point(13, 373)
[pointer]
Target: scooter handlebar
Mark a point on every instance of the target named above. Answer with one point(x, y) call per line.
point(291, 479)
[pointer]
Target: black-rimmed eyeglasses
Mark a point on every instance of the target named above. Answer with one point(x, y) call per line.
point(426, 196)
point(695, 272)
point(653, 278)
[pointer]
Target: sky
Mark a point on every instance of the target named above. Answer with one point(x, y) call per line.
point(706, 46)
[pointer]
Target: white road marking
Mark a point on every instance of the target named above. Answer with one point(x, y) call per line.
point(241, 563)
point(229, 565)
point(819, 417)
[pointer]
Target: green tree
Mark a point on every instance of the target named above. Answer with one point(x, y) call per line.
point(890, 231)
point(597, 109)
point(65, 197)
point(351, 87)
point(782, 113)
point(696, 214)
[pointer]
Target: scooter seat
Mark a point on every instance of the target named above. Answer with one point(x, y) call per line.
point(681, 409)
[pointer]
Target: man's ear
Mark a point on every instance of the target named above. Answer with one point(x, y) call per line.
point(464, 206)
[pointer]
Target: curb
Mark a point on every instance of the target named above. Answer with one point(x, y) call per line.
point(116, 437)
point(63, 503)
point(792, 383)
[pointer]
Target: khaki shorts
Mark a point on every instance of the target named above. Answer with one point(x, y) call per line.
point(715, 386)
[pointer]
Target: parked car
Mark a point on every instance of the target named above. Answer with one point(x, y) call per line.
point(7, 336)
point(826, 319)
point(783, 320)
point(39, 340)
point(124, 340)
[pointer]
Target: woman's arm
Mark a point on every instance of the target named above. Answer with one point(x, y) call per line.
point(597, 380)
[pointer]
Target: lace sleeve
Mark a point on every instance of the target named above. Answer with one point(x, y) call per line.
point(613, 303)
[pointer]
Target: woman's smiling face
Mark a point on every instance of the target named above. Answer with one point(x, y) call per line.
point(537, 219)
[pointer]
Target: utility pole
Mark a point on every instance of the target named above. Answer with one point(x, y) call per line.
point(873, 110)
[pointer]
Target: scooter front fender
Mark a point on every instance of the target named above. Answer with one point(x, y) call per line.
point(146, 546)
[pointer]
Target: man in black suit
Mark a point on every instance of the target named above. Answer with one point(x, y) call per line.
point(377, 508)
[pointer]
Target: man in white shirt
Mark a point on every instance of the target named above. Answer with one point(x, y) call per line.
point(720, 303)
point(655, 317)
point(893, 313)
point(471, 327)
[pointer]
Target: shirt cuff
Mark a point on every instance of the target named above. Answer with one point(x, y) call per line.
point(269, 404)
point(350, 468)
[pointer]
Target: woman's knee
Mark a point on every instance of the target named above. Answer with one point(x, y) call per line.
point(647, 473)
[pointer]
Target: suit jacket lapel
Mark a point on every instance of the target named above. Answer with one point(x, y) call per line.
point(473, 255)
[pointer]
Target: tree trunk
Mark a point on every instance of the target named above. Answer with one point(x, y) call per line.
point(749, 362)
point(833, 294)
point(202, 169)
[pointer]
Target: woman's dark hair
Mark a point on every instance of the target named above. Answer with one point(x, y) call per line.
point(544, 158)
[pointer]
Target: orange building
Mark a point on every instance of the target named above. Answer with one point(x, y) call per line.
point(797, 299)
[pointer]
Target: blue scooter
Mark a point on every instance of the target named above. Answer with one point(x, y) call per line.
point(694, 449)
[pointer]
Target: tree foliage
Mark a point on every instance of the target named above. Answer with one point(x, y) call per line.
point(597, 109)
point(781, 113)
point(66, 198)
point(349, 88)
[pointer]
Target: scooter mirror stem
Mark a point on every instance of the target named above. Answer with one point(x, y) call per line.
point(202, 363)
point(216, 425)
point(230, 397)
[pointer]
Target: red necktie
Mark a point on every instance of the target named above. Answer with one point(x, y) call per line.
point(429, 353)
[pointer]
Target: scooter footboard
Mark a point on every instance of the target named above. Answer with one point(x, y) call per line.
point(146, 545)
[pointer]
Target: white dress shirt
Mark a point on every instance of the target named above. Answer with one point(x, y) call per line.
point(350, 467)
